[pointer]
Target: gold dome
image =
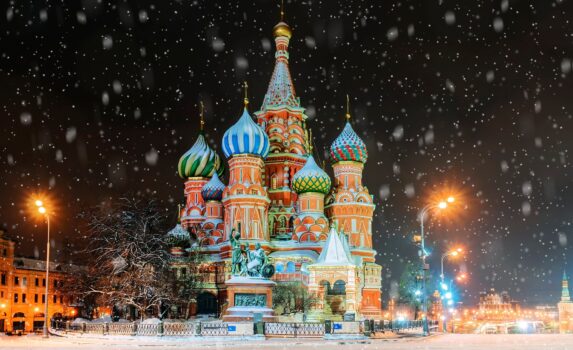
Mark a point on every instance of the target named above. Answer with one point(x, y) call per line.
point(282, 29)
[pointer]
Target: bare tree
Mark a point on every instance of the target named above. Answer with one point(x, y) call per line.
point(127, 256)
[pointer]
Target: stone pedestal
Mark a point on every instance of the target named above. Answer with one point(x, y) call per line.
point(248, 296)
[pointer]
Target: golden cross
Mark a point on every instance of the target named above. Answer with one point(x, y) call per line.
point(201, 115)
point(347, 107)
point(246, 99)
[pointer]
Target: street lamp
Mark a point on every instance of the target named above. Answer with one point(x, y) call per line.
point(42, 210)
point(423, 212)
point(453, 253)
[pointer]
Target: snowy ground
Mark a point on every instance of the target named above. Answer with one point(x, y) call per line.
point(438, 342)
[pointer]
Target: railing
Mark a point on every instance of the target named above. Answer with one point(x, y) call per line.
point(121, 329)
point(294, 329)
point(148, 329)
point(269, 329)
point(180, 329)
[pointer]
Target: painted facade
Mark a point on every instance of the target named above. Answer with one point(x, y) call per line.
point(22, 291)
point(278, 196)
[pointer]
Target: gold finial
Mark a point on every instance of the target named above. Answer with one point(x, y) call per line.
point(310, 141)
point(282, 10)
point(347, 107)
point(201, 115)
point(178, 213)
point(246, 99)
point(323, 164)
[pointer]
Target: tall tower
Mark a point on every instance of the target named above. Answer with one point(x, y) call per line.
point(351, 207)
point(565, 289)
point(311, 183)
point(196, 166)
point(283, 119)
point(565, 307)
point(213, 226)
point(245, 199)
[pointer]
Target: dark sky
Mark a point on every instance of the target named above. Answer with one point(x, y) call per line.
point(99, 98)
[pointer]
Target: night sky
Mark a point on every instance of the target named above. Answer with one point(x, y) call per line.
point(99, 99)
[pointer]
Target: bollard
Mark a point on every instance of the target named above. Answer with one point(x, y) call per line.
point(105, 329)
point(83, 327)
point(133, 329)
point(160, 329)
point(328, 326)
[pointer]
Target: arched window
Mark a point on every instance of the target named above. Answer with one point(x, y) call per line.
point(279, 267)
point(19, 314)
point(290, 267)
point(338, 288)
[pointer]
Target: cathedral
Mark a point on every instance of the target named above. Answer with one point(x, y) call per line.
point(317, 231)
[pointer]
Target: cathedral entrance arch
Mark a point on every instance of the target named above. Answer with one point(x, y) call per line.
point(207, 304)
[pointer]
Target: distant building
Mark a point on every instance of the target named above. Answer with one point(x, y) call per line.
point(565, 307)
point(22, 290)
point(494, 306)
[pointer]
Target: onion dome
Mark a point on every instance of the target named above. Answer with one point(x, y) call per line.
point(200, 160)
point(282, 29)
point(245, 137)
point(213, 190)
point(348, 147)
point(311, 178)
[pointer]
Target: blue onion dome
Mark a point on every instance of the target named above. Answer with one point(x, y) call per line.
point(245, 137)
point(200, 160)
point(311, 178)
point(348, 146)
point(213, 190)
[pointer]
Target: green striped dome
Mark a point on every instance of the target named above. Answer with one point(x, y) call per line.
point(200, 160)
point(311, 178)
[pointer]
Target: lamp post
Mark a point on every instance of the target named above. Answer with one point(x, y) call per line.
point(455, 252)
point(42, 210)
point(444, 256)
point(425, 267)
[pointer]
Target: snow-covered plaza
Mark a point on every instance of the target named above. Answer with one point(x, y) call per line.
point(437, 342)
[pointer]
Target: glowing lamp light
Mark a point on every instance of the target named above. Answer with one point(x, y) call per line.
point(3, 306)
point(417, 292)
point(39, 203)
point(442, 205)
point(450, 303)
point(36, 309)
point(449, 295)
point(451, 199)
point(444, 286)
point(42, 210)
point(522, 325)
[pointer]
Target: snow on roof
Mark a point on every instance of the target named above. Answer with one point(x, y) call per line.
point(295, 253)
point(334, 252)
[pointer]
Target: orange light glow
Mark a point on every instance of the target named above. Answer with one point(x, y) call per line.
point(442, 205)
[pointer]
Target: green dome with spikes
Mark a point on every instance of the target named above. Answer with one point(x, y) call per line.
point(200, 161)
point(311, 178)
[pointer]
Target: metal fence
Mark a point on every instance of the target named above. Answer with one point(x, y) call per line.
point(294, 329)
point(180, 329)
point(269, 329)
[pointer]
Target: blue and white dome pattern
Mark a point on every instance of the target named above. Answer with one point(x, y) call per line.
point(246, 137)
point(213, 190)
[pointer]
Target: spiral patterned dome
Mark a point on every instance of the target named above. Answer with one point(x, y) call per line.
point(200, 160)
point(311, 178)
point(213, 190)
point(348, 146)
point(245, 137)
